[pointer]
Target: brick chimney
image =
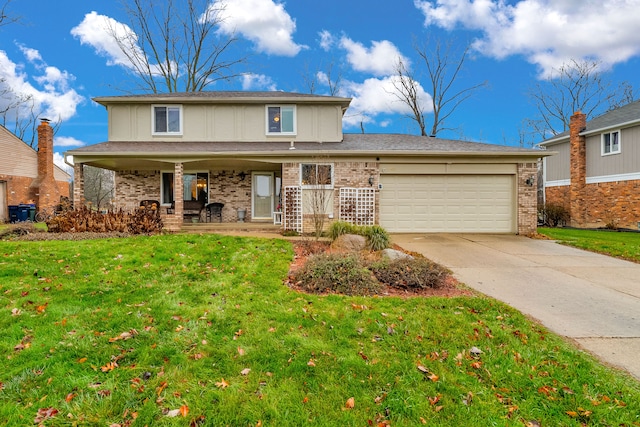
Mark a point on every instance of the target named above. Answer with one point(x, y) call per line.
point(45, 186)
point(578, 166)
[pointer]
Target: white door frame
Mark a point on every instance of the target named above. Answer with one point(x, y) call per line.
point(253, 194)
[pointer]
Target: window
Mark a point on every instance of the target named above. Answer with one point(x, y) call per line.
point(316, 175)
point(167, 120)
point(194, 184)
point(611, 143)
point(281, 120)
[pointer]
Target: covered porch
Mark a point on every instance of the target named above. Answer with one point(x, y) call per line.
point(195, 192)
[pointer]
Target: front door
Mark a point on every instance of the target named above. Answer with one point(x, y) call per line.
point(262, 200)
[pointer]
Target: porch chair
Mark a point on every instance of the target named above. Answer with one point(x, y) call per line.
point(214, 210)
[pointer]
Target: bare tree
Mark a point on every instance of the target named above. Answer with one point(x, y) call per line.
point(443, 67)
point(406, 90)
point(577, 85)
point(99, 186)
point(173, 45)
point(5, 18)
point(330, 78)
point(317, 176)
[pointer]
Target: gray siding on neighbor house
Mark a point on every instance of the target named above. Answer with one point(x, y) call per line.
point(626, 162)
point(557, 166)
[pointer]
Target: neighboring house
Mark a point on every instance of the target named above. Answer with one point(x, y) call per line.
point(268, 154)
point(29, 176)
point(596, 173)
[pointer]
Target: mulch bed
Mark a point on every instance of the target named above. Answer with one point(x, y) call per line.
point(305, 248)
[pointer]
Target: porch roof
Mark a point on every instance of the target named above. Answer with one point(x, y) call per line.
point(352, 145)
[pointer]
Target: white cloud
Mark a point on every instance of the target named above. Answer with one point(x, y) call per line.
point(67, 141)
point(549, 33)
point(379, 60)
point(375, 97)
point(264, 22)
point(32, 55)
point(257, 82)
point(51, 96)
point(327, 40)
point(58, 160)
point(95, 30)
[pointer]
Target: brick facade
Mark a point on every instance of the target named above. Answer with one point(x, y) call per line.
point(607, 204)
point(527, 198)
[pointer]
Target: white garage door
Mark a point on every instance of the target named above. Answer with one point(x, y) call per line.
point(447, 203)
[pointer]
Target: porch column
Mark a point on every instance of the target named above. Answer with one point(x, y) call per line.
point(78, 185)
point(178, 190)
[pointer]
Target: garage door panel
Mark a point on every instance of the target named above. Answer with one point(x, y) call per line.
point(447, 203)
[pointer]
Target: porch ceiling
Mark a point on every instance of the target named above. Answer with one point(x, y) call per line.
point(116, 163)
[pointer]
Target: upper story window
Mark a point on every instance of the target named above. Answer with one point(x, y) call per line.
point(167, 120)
point(316, 175)
point(611, 142)
point(281, 120)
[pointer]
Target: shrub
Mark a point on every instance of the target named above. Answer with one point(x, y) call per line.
point(336, 273)
point(141, 221)
point(407, 273)
point(338, 228)
point(377, 237)
point(554, 215)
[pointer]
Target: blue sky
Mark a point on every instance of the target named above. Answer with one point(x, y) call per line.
point(60, 55)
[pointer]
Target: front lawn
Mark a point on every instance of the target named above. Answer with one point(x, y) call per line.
point(190, 330)
point(624, 245)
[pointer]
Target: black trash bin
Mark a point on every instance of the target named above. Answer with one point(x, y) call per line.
point(13, 213)
point(23, 212)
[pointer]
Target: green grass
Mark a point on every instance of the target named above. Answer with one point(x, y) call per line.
point(198, 310)
point(624, 245)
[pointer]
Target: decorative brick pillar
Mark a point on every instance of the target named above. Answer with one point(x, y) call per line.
point(578, 166)
point(78, 185)
point(527, 198)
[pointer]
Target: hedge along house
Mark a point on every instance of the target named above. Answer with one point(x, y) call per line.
point(30, 176)
point(596, 173)
point(268, 155)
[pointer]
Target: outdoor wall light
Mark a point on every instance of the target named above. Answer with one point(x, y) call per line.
point(529, 181)
point(371, 180)
point(242, 176)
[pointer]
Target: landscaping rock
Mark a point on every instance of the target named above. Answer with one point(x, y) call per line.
point(392, 255)
point(349, 243)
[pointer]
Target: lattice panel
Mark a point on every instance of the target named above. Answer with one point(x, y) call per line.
point(292, 213)
point(357, 205)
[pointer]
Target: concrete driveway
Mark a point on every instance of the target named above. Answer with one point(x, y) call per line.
point(591, 298)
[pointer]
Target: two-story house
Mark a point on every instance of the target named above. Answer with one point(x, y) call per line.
point(263, 154)
point(596, 173)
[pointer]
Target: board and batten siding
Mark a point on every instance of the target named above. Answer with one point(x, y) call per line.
point(223, 123)
point(626, 162)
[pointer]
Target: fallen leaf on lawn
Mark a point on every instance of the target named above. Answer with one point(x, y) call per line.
point(379, 399)
point(467, 400)
point(439, 408)
point(241, 351)
point(197, 356)
point(109, 367)
point(359, 307)
point(16, 312)
point(533, 423)
point(311, 363)
point(434, 400)
point(423, 369)
point(70, 397)
point(124, 336)
point(433, 377)
point(350, 404)
point(173, 413)
point(305, 400)
point(45, 414)
point(423, 421)
point(184, 410)
point(476, 365)
point(245, 371)
point(104, 393)
point(222, 384)
point(259, 423)
point(179, 328)
point(572, 414)
point(160, 389)
point(42, 308)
